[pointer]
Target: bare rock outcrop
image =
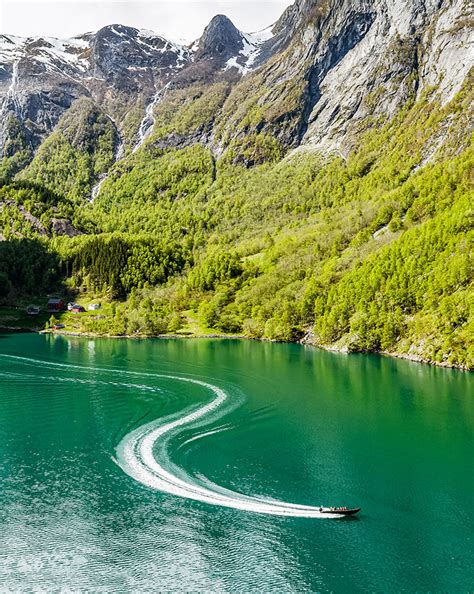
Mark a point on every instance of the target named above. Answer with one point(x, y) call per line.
point(319, 75)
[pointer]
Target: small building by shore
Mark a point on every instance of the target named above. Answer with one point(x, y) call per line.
point(55, 304)
point(77, 309)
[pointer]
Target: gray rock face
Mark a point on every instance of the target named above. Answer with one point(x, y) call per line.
point(369, 58)
point(449, 43)
point(35, 223)
point(221, 40)
point(349, 60)
point(64, 227)
point(41, 78)
point(130, 60)
point(352, 60)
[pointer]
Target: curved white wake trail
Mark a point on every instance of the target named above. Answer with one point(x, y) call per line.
point(136, 455)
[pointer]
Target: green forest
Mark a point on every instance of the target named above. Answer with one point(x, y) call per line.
point(371, 252)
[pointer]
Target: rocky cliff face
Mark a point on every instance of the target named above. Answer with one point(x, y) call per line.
point(41, 78)
point(343, 63)
point(220, 42)
point(322, 73)
point(369, 58)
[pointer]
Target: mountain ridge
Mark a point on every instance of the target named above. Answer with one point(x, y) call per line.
point(127, 60)
point(333, 56)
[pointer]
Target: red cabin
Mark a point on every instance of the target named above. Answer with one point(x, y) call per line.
point(55, 304)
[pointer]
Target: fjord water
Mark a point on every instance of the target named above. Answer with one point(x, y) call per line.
point(304, 426)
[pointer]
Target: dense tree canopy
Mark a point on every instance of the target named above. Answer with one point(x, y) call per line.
point(370, 252)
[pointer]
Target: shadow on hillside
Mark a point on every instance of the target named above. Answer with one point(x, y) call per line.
point(30, 272)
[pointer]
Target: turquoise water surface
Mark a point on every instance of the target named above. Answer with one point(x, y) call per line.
point(175, 465)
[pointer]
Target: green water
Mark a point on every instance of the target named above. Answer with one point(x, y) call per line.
point(307, 427)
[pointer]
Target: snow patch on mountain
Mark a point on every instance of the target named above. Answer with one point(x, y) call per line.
point(69, 51)
point(49, 51)
point(252, 47)
point(73, 52)
point(11, 49)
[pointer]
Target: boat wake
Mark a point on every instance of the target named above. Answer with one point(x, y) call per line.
point(143, 455)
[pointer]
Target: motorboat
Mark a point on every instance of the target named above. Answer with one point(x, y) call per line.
point(342, 511)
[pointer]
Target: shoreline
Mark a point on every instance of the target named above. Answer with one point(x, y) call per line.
point(304, 342)
point(392, 354)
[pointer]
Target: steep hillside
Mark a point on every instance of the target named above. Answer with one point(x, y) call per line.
point(322, 73)
point(311, 182)
point(353, 253)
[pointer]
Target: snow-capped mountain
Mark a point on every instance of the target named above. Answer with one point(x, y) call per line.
point(229, 47)
point(312, 79)
point(41, 78)
point(117, 66)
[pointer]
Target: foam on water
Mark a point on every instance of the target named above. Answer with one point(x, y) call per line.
point(142, 454)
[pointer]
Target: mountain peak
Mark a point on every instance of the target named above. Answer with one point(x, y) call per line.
point(221, 40)
point(116, 30)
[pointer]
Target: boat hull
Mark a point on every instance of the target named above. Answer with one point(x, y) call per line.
point(341, 512)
